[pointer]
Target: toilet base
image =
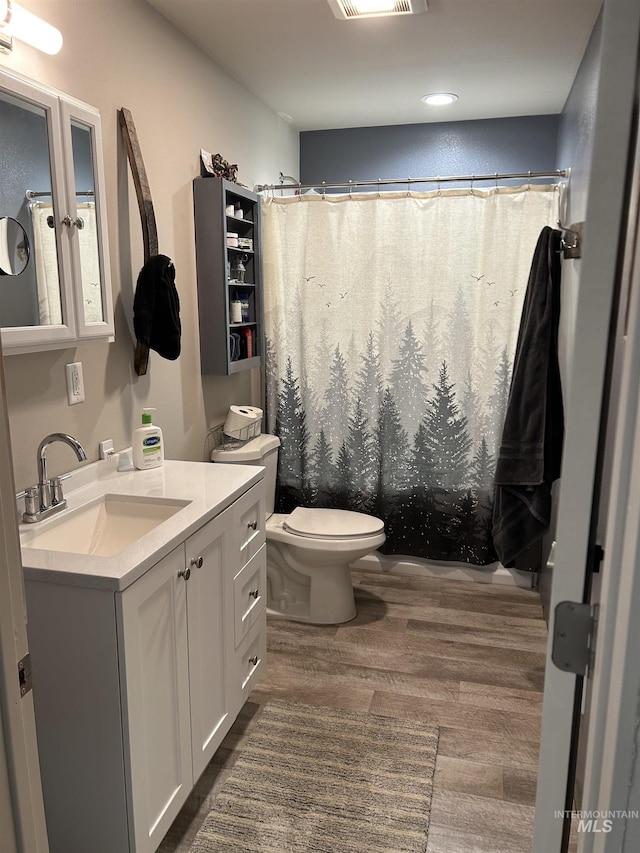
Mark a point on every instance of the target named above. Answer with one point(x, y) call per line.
point(323, 597)
point(300, 613)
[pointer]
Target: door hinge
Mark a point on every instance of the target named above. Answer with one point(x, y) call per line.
point(573, 637)
point(24, 674)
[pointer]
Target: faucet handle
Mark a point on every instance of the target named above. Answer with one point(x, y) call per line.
point(56, 488)
point(31, 501)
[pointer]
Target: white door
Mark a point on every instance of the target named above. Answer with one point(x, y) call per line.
point(208, 554)
point(611, 778)
point(603, 226)
point(22, 821)
point(155, 684)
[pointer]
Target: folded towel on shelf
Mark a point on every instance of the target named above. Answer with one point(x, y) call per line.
point(45, 255)
point(234, 346)
point(89, 263)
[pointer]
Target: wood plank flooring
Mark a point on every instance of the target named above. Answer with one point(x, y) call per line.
point(464, 656)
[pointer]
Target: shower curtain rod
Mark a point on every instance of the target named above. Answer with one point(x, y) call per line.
point(439, 179)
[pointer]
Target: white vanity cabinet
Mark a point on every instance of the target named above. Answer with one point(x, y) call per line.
point(246, 625)
point(156, 698)
point(53, 187)
point(135, 689)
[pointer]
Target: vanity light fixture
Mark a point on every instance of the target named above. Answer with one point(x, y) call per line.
point(351, 9)
point(439, 99)
point(27, 27)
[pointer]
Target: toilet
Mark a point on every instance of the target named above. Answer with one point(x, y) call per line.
point(309, 551)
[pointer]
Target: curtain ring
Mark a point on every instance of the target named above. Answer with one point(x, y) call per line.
point(350, 189)
point(324, 189)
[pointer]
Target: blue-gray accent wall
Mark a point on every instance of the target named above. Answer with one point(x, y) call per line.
point(518, 144)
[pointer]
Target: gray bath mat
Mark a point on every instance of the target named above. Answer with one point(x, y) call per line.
point(322, 780)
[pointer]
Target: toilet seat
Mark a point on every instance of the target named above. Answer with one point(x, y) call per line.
point(277, 531)
point(340, 524)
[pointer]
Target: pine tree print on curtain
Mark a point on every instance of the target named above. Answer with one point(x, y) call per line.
point(391, 325)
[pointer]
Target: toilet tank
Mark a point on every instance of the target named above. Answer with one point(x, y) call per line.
point(262, 450)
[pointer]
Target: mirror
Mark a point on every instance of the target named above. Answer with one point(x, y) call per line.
point(82, 150)
point(14, 247)
point(33, 299)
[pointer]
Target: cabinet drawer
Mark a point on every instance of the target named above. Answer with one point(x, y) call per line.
point(249, 594)
point(251, 520)
point(252, 658)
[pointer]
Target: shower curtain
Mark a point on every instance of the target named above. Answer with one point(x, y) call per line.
point(391, 321)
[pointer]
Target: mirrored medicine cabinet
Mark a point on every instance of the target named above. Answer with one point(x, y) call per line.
point(55, 282)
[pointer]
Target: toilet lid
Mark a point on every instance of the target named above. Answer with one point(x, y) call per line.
point(332, 523)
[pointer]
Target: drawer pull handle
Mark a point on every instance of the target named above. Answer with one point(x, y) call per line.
point(254, 593)
point(185, 573)
point(253, 525)
point(254, 660)
point(197, 561)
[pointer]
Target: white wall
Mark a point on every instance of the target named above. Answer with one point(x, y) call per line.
point(122, 53)
point(575, 148)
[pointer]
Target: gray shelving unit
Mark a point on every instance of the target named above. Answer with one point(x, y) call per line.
point(216, 289)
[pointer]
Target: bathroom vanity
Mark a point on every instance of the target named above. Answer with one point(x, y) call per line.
point(142, 656)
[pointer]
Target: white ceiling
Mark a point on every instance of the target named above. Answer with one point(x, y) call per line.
point(502, 57)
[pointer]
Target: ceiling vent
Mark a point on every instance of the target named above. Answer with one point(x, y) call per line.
point(350, 9)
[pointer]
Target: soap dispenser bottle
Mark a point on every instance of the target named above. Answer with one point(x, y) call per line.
point(148, 447)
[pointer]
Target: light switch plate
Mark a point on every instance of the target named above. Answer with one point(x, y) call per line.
point(75, 383)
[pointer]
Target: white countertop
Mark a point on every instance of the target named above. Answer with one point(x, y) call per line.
point(208, 487)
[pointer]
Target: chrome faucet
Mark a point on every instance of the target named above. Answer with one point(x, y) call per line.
point(46, 497)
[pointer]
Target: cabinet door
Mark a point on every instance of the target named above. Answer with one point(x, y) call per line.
point(208, 556)
point(87, 229)
point(155, 687)
point(36, 305)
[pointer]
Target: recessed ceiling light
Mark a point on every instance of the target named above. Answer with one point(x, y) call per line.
point(370, 7)
point(439, 99)
point(354, 9)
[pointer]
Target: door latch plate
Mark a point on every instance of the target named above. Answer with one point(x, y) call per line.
point(24, 674)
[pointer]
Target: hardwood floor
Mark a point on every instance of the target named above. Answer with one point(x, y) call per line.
point(466, 657)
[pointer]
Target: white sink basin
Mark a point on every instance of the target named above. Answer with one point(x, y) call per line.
point(104, 526)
